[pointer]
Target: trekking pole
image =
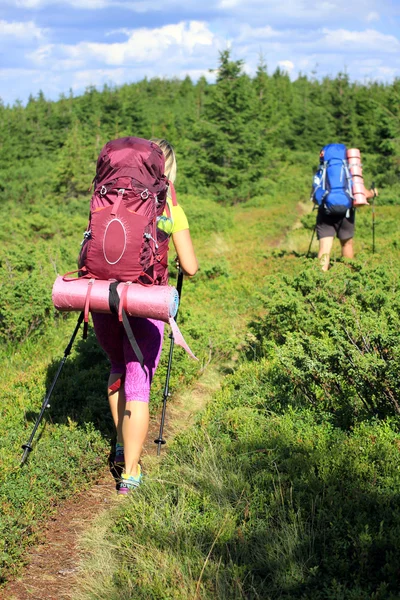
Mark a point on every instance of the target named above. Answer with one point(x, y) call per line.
point(313, 233)
point(160, 441)
point(373, 218)
point(28, 446)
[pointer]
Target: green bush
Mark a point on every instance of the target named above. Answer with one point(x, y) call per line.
point(332, 341)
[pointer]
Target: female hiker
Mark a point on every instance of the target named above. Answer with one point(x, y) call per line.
point(128, 384)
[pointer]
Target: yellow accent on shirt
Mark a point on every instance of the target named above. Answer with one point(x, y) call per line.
point(177, 222)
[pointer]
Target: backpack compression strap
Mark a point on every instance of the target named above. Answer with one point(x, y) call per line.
point(114, 301)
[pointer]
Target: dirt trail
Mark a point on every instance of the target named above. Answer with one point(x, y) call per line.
point(53, 565)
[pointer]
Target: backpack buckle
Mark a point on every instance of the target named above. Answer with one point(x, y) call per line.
point(145, 194)
point(103, 190)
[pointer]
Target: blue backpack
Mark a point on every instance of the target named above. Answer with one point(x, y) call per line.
point(332, 184)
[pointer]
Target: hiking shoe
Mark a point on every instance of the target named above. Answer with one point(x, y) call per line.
point(128, 482)
point(119, 458)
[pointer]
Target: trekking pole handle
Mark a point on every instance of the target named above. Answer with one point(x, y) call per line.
point(179, 282)
point(373, 188)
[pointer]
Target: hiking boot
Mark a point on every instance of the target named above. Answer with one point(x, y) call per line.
point(119, 458)
point(129, 482)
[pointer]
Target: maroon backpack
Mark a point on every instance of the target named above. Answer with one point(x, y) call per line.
point(130, 191)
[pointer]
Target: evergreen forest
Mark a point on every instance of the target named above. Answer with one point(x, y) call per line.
point(286, 484)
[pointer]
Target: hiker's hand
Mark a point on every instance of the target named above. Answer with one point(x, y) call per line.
point(372, 193)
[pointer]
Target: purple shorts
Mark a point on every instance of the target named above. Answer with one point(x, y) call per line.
point(113, 339)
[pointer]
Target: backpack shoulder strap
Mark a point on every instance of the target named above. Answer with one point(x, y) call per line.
point(173, 193)
point(168, 210)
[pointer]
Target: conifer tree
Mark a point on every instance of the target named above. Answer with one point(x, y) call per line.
point(231, 146)
point(76, 164)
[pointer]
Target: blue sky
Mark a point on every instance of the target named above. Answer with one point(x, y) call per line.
point(58, 45)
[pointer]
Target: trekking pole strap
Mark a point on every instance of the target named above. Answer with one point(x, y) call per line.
point(114, 302)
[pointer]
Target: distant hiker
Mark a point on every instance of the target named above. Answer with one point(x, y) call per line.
point(333, 187)
point(129, 383)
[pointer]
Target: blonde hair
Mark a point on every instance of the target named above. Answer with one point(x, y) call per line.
point(170, 158)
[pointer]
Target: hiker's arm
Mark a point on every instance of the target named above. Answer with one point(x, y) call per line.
point(185, 251)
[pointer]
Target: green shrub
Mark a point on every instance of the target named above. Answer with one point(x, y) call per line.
point(333, 341)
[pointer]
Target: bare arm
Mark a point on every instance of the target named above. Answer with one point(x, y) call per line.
point(185, 251)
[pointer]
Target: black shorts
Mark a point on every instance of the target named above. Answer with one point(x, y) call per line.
point(329, 226)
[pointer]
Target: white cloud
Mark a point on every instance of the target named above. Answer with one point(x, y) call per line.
point(28, 3)
point(286, 65)
point(122, 30)
point(97, 77)
point(42, 54)
point(247, 33)
point(143, 46)
point(26, 30)
point(375, 70)
point(228, 3)
point(139, 6)
point(272, 12)
point(372, 16)
point(82, 4)
point(16, 73)
point(367, 40)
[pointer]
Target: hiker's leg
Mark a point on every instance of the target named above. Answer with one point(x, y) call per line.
point(325, 248)
point(135, 426)
point(149, 336)
point(116, 399)
point(109, 334)
point(345, 234)
point(347, 248)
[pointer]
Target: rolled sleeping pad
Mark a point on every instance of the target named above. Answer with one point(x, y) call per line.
point(353, 153)
point(158, 302)
point(355, 168)
point(358, 188)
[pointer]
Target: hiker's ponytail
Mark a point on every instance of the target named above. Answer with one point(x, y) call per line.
point(170, 158)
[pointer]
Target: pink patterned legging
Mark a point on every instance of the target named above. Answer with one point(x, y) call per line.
point(113, 339)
